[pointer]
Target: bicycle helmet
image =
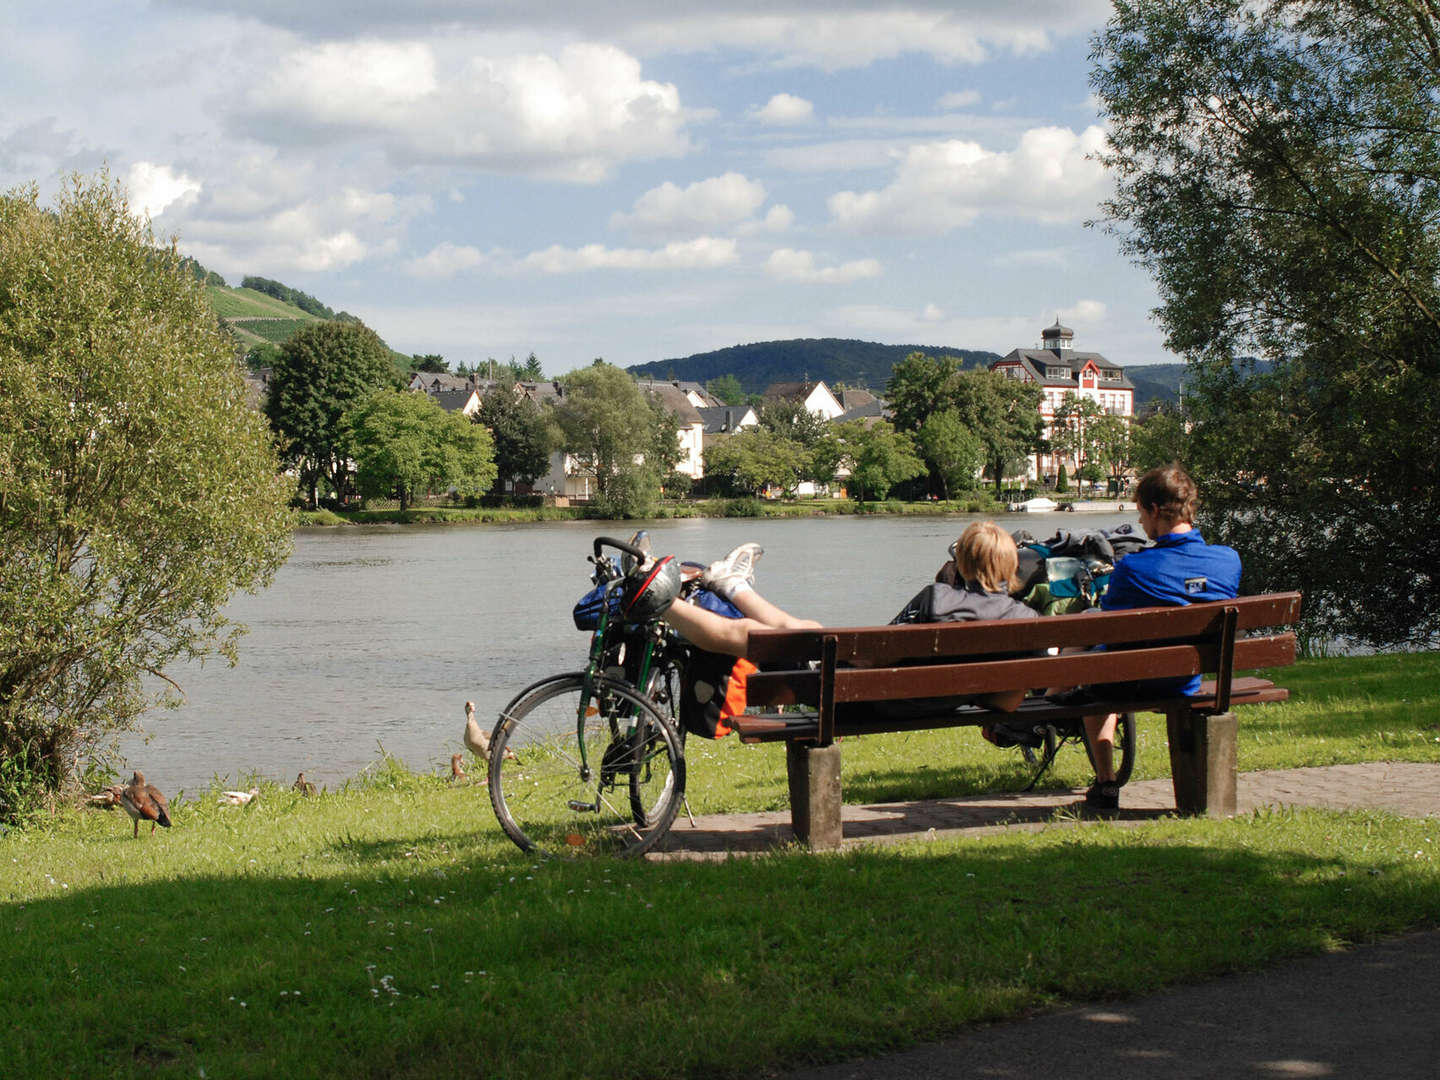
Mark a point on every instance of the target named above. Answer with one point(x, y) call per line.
point(650, 589)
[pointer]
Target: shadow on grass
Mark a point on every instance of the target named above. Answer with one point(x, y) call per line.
point(525, 968)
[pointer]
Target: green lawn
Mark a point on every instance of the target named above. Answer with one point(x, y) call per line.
point(389, 929)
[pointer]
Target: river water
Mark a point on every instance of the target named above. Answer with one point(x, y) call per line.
point(376, 636)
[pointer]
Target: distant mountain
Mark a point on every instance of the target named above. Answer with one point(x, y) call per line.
point(860, 364)
point(1156, 382)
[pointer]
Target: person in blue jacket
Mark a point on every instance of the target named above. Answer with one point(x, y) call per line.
point(1179, 568)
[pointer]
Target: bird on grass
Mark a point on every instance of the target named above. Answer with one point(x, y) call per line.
point(142, 800)
point(107, 797)
point(476, 740)
point(238, 798)
point(457, 771)
point(305, 787)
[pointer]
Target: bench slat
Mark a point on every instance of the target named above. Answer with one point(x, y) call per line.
point(768, 688)
point(879, 646)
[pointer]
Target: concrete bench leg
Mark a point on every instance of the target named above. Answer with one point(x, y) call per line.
point(1202, 762)
point(814, 773)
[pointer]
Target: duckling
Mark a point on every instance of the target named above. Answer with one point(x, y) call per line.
point(305, 787)
point(457, 771)
point(107, 797)
point(477, 740)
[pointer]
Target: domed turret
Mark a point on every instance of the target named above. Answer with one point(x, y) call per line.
point(1058, 339)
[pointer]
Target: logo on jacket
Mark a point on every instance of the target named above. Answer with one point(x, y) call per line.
point(1196, 585)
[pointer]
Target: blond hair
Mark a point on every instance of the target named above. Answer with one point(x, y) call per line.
point(986, 554)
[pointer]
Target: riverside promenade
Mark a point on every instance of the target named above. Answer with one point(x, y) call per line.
point(1364, 1012)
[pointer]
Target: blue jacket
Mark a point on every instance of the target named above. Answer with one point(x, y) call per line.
point(1179, 569)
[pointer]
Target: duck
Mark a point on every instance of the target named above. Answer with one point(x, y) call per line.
point(238, 798)
point(457, 771)
point(305, 787)
point(476, 740)
point(107, 797)
point(142, 800)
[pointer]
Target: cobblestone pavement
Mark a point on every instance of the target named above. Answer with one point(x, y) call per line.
point(1406, 788)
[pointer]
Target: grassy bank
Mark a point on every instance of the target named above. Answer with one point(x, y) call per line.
point(388, 929)
point(697, 508)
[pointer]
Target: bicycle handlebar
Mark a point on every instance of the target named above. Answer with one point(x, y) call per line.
point(621, 545)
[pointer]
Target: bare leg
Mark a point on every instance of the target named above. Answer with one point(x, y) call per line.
point(1100, 730)
point(755, 606)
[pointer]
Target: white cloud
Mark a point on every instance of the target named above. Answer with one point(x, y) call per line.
point(959, 99)
point(1051, 176)
point(779, 218)
point(704, 252)
point(785, 109)
point(932, 313)
point(445, 260)
point(573, 115)
point(152, 188)
point(788, 264)
point(704, 206)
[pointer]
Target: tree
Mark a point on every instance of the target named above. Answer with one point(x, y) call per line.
point(1158, 440)
point(918, 386)
point(430, 363)
point(138, 490)
point(1004, 413)
point(1072, 430)
point(523, 439)
point(323, 370)
point(727, 388)
point(530, 371)
point(602, 419)
point(1112, 445)
point(757, 458)
point(954, 453)
point(1276, 171)
point(405, 443)
point(879, 458)
point(820, 450)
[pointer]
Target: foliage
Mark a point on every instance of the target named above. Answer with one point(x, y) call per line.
point(522, 436)
point(1112, 444)
point(831, 360)
point(1072, 431)
point(1062, 480)
point(879, 458)
point(430, 363)
point(953, 452)
point(601, 425)
point(821, 453)
point(1276, 173)
point(727, 388)
point(138, 490)
point(406, 443)
point(304, 301)
point(323, 371)
point(756, 458)
point(1158, 440)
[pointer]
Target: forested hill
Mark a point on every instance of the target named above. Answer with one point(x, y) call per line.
point(831, 360)
point(856, 363)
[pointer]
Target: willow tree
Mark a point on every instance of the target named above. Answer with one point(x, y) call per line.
point(1278, 171)
point(138, 487)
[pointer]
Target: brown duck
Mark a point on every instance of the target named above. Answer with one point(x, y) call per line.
point(142, 800)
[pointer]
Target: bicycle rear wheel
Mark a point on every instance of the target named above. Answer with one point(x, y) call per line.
point(580, 770)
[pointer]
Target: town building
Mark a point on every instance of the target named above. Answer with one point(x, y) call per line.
point(1059, 370)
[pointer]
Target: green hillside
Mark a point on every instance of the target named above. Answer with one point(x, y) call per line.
point(255, 318)
point(831, 360)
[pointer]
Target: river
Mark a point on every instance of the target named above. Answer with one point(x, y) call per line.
point(376, 636)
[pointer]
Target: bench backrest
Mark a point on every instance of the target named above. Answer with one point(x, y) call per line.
point(886, 663)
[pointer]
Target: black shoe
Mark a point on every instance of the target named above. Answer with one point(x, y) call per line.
point(1103, 796)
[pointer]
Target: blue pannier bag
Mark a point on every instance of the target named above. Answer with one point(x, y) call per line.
point(587, 608)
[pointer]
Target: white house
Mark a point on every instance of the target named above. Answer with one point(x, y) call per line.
point(815, 396)
point(1059, 370)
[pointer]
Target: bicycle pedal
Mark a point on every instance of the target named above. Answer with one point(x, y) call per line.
point(583, 807)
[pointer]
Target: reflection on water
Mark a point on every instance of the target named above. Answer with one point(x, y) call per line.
point(377, 635)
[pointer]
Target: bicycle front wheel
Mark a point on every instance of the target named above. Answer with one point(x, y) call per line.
point(1126, 747)
point(584, 769)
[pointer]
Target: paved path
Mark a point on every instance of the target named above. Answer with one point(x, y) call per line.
point(1365, 1012)
point(1407, 788)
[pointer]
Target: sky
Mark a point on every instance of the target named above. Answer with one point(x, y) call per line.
point(633, 181)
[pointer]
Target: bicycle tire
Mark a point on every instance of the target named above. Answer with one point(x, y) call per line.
point(662, 689)
point(1126, 746)
point(547, 802)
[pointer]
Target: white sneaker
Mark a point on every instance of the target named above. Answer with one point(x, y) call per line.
point(739, 564)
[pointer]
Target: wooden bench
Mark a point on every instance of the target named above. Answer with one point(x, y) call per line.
point(835, 671)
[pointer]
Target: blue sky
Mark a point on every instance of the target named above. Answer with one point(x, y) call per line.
point(626, 180)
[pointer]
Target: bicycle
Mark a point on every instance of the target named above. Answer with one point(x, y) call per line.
point(592, 761)
point(1049, 738)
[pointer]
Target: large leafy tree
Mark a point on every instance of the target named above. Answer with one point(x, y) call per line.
point(1278, 172)
point(1072, 430)
point(954, 453)
point(323, 371)
point(879, 458)
point(405, 443)
point(607, 426)
point(523, 437)
point(138, 490)
point(756, 458)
